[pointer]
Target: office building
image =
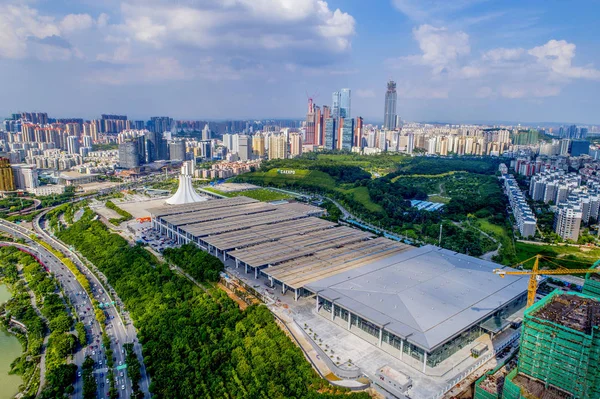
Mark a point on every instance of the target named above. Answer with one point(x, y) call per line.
point(389, 115)
point(26, 176)
point(580, 147)
point(160, 124)
point(335, 104)
point(156, 146)
point(206, 133)
point(206, 149)
point(346, 134)
point(358, 132)
point(7, 179)
point(345, 104)
point(330, 134)
point(278, 146)
point(244, 147)
point(560, 349)
point(177, 150)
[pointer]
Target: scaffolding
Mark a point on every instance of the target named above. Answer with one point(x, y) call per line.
point(520, 386)
point(591, 286)
point(560, 346)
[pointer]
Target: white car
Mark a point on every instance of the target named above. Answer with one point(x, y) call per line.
point(123, 387)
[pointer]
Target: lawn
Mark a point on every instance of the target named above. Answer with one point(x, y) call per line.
point(437, 198)
point(569, 257)
point(260, 194)
point(361, 194)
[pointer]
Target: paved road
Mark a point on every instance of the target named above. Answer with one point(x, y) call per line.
point(118, 326)
point(72, 289)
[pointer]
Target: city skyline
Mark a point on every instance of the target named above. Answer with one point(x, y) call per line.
point(470, 62)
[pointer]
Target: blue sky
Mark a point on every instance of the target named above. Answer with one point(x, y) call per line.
point(459, 60)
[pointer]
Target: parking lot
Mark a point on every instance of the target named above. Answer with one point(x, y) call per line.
point(154, 239)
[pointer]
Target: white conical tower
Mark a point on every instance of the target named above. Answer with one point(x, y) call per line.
point(185, 193)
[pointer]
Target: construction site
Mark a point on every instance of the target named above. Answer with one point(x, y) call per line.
point(559, 352)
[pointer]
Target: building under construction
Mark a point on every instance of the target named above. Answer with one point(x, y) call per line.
point(560, 350)
point(592, 285)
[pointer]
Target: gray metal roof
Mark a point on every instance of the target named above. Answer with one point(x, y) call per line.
point(427, 295)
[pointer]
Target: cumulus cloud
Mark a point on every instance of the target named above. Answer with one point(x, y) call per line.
point(75, 22)
point(19, 24)
point(446, 65)
point(292, 25)
point(558, 56)
point(440, 47)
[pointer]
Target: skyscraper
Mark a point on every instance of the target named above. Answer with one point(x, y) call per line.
point(258, 145)
point(177, 150)
point(389, 116)
point(330, 133)
point(295, 144)
point(206, 132)
point(345, 104)
point(347, 134)
point(310, 123)
point(335, 104)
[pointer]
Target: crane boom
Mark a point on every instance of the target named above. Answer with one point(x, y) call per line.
point(535, 272)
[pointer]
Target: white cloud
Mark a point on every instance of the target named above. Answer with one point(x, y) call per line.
point(240, 25)
point(558, 56)
point(18, 24)
point(440, 47)
point(503, 54)
point(102, 20)
point(365, 93)
point(75, 22)
point(426, 10)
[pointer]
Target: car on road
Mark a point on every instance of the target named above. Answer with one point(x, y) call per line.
point(123, 387)
point(79, 374)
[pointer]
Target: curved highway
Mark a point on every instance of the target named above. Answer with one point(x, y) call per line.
point(72, 289)
point(118, 326)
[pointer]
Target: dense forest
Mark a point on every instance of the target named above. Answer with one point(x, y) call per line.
point(197, 345)
point(199, 264)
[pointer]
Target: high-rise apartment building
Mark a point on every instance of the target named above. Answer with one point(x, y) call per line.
point(389, 115)
point(160, 124)
point(295, 144)
point(358, 132)
point(278, 146)
point(567, 221)
point(258, 145)
point(7, 180)
point(73, 145)
point(132, 152)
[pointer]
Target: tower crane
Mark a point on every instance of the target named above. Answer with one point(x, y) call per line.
point(535, 273)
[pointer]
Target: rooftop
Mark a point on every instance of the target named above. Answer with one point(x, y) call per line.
point(572, 311)
point(427, 295)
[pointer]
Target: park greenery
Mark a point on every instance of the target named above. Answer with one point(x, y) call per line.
point(56, 199)
point(468, 186)
point(11, 204)
point(260, 194)
point(125, 216)
point(197, 344)
point(32, 285)
point(197, 263)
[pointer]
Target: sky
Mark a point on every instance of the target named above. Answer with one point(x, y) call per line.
point(453, 61)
